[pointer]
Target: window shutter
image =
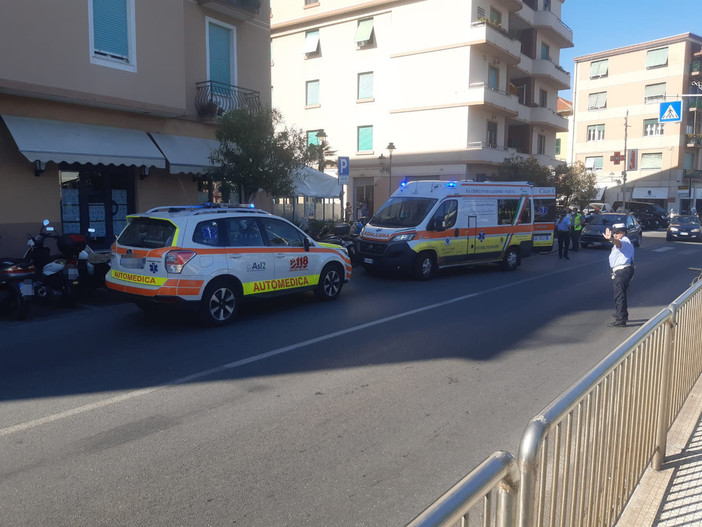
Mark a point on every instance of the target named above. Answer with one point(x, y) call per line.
point(657, 57)
point(110, 27)
point(312, 93)
point(651, 160)
point(312, 42)
point(365, 85)
point(220, 54)
point(599, 68)
point(365, 138)
point(364, 30)
point(654, 91)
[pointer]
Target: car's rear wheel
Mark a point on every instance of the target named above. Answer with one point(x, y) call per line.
point(330, 282)
point(219, 303)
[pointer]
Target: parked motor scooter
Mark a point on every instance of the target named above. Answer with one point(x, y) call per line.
point(341, 235)
point(16, 287)
point(57, 276)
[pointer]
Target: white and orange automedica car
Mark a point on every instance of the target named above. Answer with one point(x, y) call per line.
point(212, 257)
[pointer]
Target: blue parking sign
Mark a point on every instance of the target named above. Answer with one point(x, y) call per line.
point(670, 112)
point(344, 170)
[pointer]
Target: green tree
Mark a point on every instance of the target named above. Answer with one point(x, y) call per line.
point(319, 154)
point(520, 168)
point(257, 151)
point(576, 184)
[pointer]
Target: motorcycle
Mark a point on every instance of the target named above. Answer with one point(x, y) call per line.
point(62, 276)
point(16, 287)
point(341, 235)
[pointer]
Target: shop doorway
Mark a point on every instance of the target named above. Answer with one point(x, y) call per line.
point(364, 192)
point(98, 198)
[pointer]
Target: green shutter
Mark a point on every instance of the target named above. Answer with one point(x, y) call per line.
point(365, 138)
point(365, 85)
point(312, 93)
point(110, 27)
point(364, 30)
point(220, 41)
point(657, 57)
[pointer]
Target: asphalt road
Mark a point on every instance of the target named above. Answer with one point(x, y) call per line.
point(358, 412)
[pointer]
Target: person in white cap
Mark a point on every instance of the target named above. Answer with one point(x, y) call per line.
point(621, 260)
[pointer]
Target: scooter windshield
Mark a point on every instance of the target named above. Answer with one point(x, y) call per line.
point(403, 211)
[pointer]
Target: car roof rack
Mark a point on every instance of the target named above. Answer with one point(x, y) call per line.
point(208, 208)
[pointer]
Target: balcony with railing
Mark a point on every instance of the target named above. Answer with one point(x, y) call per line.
point(547, 117)
point(239, 9)
point(554, 28)
point(553, 73)
point(496, 41)
point(213, 99)
point(480, 93)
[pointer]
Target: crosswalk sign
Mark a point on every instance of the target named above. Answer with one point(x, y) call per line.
point(670, 112)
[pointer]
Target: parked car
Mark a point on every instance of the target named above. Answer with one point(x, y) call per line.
point(683, 227)
point(597, 206)
point(654, 216)
point(598, 224)
point(211, 258)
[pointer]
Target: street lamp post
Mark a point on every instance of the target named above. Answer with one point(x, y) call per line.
point(387, 167)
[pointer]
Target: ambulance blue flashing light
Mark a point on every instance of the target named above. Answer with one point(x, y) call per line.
point(451, 184)
point(403, 184)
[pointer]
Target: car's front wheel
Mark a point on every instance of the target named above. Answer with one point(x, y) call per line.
point(511, 260)
point(219, 303)
point(423, 266)
point(330, 282)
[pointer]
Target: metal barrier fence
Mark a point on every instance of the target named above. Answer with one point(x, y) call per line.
point(581, 458)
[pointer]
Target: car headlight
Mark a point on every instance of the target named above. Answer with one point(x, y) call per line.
point(404, 237)
point(674, 229)
point(695, 230)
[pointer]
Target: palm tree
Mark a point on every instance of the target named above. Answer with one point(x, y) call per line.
point(318, 155)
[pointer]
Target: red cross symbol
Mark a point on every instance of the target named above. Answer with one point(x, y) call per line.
point(616, 158)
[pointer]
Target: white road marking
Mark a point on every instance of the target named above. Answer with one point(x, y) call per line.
point(662, 249)
point(255, 358)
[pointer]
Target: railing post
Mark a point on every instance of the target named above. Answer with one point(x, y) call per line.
point(528, 469)
point(506, 503)
point(664, 394)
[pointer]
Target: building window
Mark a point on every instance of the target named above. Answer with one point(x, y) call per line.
point(492, 134)
point(312, 43)
point(495, 16)
point(112, 34)
point(558, 146)
point(593, 163)
point(545, 52)
point(543, 98)
point(480, 12)
point(541, 146)
point(652, 127)
point(547, 5)
point(365, 138)
point(365, 85)
point(493, 78)
point(599, 68)
point(657, 58)
point(597, 101)
point(312, 93)
point(596, 132)
point(651, 161)
point(311, 2)
point(654, 92)
point(365, 35)
point(312, 138)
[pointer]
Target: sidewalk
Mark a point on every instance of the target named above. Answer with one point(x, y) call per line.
point(673, 496)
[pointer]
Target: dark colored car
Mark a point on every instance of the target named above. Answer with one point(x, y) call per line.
point(650, 215)
point(684, 228)
point(598, 223)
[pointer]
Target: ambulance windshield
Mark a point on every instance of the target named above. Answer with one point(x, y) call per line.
point(402, 212)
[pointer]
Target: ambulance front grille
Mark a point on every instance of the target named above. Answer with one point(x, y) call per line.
point(373, 248)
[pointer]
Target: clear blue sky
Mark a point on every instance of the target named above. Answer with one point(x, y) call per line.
point(599, 25)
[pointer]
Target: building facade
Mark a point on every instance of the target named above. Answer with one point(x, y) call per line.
point(420, 89)
point(108, 107)
point(619, 96)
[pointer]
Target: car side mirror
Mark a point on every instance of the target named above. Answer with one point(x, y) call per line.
point(306, 244)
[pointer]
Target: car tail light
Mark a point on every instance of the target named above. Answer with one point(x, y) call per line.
point(176, 260)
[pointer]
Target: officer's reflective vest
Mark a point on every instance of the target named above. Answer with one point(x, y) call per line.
point(577, 222)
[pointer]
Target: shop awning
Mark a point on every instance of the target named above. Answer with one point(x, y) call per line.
point(650, 193)
point(315, 184)
point(45, 140)
point(185, 154)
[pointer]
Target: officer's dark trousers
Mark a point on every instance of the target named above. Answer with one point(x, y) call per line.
point(563, 241)
point(575, 240)
point(620, 284)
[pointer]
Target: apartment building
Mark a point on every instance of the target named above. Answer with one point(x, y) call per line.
point(421, 89)
point(108, 107)
point(564, 108)
point(617, 132)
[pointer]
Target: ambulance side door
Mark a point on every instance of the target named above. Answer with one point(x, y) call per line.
point(291, 259)
point(248, 258)
point(451, 250)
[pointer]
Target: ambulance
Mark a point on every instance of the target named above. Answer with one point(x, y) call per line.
point(544, 218)
point(429, 225)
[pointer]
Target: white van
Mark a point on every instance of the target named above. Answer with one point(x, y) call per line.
point(427, 225)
